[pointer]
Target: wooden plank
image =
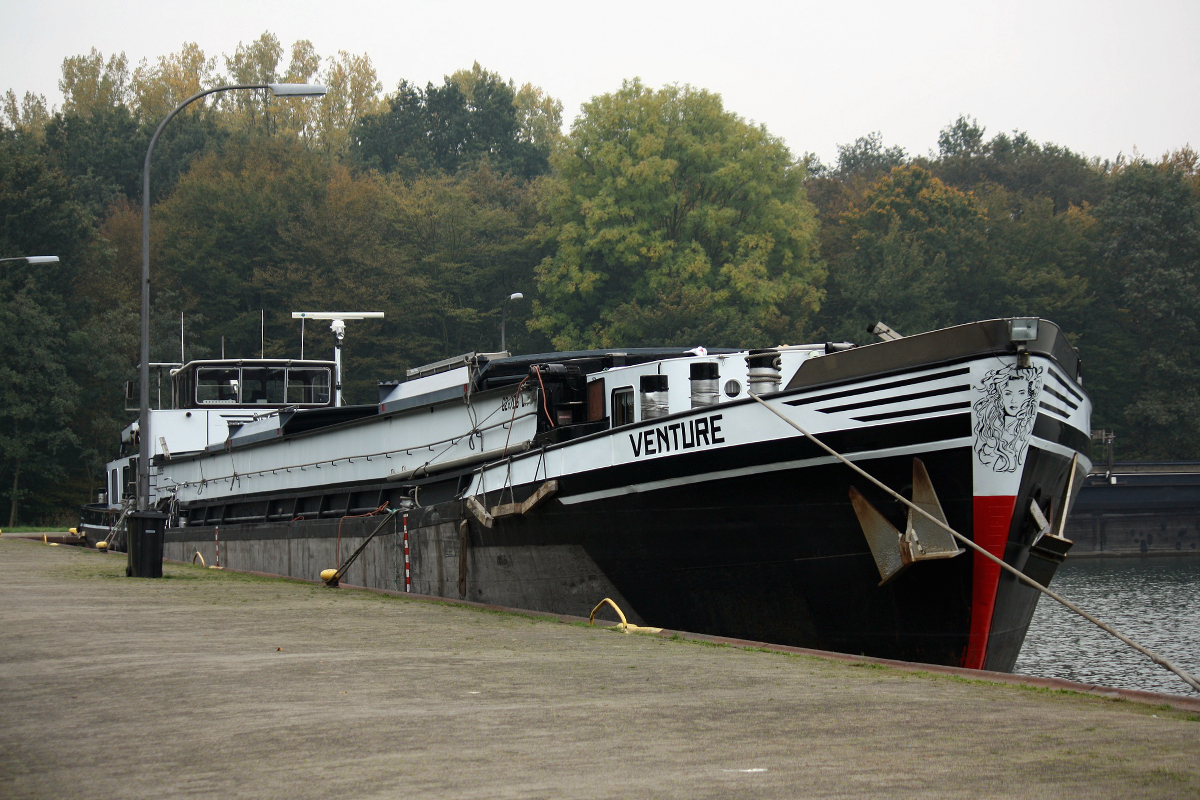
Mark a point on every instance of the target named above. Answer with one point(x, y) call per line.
point(481, 513)
point(545, 491)
point(506, 510)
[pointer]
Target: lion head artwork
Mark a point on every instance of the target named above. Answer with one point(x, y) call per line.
point(1005, 415)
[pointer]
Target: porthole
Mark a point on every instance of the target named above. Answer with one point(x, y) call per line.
point(733, 388)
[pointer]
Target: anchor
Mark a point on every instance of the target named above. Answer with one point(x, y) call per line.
point(922, 540)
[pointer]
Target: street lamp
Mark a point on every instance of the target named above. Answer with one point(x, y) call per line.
point(504, 315)
point(277, 89)
point(34, 259)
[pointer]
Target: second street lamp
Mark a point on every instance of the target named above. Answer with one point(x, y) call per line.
point(144, 434)
point(35, 260)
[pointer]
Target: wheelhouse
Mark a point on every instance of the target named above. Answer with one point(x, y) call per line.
point(255, 383)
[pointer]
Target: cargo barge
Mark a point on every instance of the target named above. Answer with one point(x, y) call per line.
point(656, 477)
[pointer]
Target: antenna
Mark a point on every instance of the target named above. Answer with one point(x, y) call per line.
point(338, 326)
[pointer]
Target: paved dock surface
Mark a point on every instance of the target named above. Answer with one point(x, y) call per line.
point(215, 684)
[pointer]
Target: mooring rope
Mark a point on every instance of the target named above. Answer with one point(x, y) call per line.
point(336, 575)
point(1153, 656)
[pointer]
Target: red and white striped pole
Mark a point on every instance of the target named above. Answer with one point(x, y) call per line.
point(217, 543)
point(407, 563)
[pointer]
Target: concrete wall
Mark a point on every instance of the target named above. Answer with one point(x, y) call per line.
point(446, 557)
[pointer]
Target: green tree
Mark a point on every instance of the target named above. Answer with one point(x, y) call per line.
point(102, 151)
point(38, 215)
point(1037, 260)
point(474, 116)
point(38, 397)
point(675, 221)
point(1145, 326)
point(1016, 163)
point(868, 158)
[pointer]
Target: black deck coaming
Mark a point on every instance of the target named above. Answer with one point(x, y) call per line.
point(937, 348)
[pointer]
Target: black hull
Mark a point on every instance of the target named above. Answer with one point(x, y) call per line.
point(758, 557)
point(780, 557)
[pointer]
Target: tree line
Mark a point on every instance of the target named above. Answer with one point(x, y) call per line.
point(659, 218)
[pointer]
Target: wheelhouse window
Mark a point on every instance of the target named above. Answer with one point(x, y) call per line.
point(622, 406)
point(307, 386)
point(262, 385)
point(269, 385)
point(217, 386)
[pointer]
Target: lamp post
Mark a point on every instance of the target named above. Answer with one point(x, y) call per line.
point(277, 89)
point(34, 259)
point(504, 314)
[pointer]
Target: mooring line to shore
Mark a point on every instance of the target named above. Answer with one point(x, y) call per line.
point(1153, 656)
point(333, 576)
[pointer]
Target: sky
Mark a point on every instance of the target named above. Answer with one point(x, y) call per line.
point(1104, 77)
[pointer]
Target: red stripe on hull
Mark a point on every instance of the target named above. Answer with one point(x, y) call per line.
point(992, 519)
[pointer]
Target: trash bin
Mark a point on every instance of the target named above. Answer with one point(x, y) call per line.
point(144, 540)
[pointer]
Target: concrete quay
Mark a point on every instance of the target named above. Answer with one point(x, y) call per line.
point(220, 684)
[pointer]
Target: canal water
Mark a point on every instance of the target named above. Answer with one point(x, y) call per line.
point(1153, 600)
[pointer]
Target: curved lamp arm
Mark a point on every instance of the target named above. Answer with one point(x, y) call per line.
point(145, 439)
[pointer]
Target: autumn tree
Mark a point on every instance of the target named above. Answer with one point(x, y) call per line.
point(353, 92)
point(26, 116)
point(675, 221)
point(89, 82)
point(268, 225)
point(158, 87)
point(222, 225)
point(910, 251)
